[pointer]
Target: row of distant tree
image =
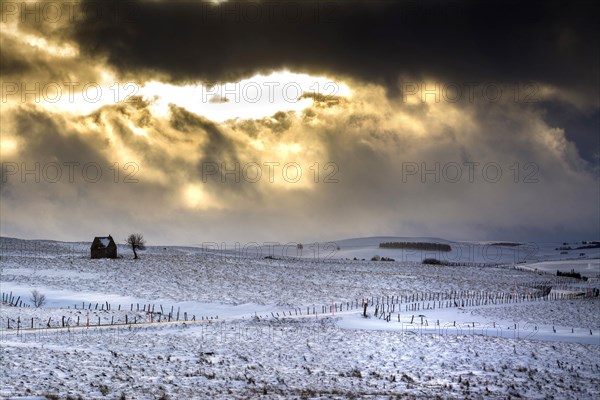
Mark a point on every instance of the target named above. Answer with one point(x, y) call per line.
point(571, 274)
point(586, 245)
point(416, 246)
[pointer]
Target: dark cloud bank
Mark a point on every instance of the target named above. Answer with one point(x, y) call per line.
point(505, 41)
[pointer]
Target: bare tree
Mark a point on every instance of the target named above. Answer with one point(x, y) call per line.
point(136, 241)
point(37, 298)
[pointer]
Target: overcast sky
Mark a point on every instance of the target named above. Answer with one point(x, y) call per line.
point(280, 121)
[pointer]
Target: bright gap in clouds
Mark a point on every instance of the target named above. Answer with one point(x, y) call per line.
point(256, 97)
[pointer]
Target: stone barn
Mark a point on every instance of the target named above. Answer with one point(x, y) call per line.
point(103, 247)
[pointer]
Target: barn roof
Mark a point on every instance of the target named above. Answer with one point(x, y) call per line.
point(104, 241)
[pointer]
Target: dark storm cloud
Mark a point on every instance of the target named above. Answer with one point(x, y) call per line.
point(46, 138)
point(507, 41)
point(217, 146)
point(217, 154)
point(582, 128)
point(12, 61)
point(60, 177)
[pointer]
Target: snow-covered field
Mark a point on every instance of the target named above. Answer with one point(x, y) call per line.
point(234, 324)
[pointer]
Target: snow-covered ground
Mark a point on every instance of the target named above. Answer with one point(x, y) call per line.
point(589, 268)
point(285, 326)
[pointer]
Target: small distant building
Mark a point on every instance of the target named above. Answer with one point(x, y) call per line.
point(103, 247)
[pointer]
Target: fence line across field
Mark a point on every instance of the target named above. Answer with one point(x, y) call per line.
point(385, 307)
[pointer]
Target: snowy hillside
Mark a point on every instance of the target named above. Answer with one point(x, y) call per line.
point(194, 322)
point(498, 252)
